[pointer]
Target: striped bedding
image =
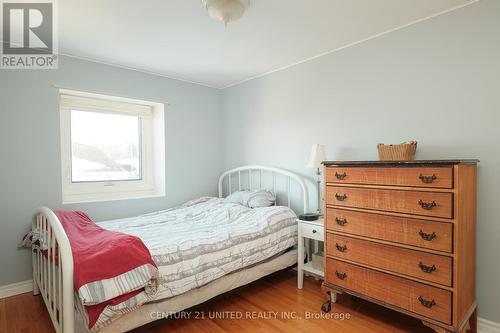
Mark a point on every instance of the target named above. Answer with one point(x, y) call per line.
point(205, 239)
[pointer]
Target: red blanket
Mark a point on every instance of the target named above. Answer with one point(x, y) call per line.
point(109, 267)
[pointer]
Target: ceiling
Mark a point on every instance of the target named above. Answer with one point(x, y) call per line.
point(177, 38)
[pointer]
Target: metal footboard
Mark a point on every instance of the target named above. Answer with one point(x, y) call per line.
point(53, 270)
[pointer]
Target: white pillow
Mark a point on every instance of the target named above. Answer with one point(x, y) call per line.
point(238, 197)
point(253, 198)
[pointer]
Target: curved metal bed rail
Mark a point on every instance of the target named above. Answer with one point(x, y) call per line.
point(53, 270)
point(260, 169)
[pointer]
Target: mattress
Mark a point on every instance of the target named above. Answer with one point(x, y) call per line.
point(206, 238)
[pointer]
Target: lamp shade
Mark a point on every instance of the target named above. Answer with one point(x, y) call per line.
point(317, 156)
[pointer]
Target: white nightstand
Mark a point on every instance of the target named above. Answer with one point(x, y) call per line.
point(308, 230)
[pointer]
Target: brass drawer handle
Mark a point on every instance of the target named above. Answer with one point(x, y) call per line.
point(426, 236)
point(427, 205)
point(314, 231)
point(427, 179)
point(426, 303)
point(340, 176)
point(341, 248)
point(425, 268)
point(340, 221)
point(341, 275)
point(340, 197)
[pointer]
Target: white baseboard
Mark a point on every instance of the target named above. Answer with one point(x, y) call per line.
point(16, 288)
point(483, 325)
point(487, 326)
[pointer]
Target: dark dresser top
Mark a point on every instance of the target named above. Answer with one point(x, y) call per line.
point(402, 163)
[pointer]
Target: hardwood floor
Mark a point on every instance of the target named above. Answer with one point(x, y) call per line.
point(275, 295)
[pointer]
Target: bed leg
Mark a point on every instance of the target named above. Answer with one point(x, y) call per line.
point(36, 290)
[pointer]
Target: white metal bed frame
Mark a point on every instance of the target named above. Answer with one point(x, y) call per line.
point(53, 272)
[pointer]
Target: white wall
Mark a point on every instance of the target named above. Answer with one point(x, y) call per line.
point(436, 82)
point(30, 167)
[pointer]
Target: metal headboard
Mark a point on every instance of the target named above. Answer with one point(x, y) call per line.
point(249, 171)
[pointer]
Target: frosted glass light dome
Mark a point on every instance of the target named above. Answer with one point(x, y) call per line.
point(225, 10)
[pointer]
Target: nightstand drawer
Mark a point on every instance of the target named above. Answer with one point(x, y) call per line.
point(312, 231)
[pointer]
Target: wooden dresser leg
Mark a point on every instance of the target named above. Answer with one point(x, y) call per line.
point(327, 306)
point(473, 321)
point(333, 297)
point(436, 329)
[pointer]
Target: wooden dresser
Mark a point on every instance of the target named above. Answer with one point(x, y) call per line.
point(403, 235)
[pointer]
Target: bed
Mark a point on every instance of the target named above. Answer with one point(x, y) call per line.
point(223, 269)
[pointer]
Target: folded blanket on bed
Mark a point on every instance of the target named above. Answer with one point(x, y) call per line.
point(113, 272)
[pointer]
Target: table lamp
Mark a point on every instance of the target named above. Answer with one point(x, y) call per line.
point(315, 159)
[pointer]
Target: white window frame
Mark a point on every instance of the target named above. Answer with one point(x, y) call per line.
point(152, 150)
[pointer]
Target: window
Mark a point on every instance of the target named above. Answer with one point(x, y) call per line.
point(104, 147)
point(112, 148)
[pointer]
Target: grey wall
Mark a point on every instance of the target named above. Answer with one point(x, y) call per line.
point(30, 171)
point(437, 82)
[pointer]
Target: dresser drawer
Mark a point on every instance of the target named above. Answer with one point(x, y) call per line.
point(409, 295)
point(312, 231)
point(422, 265)
point(425, 234)
point(440, 177)
point(410, 202)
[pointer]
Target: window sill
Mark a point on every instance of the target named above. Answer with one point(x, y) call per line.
point(129, 196)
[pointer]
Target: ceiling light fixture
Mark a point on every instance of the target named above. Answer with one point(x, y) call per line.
point(225, 10)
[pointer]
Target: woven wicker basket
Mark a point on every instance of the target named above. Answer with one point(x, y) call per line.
point(400, 152)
